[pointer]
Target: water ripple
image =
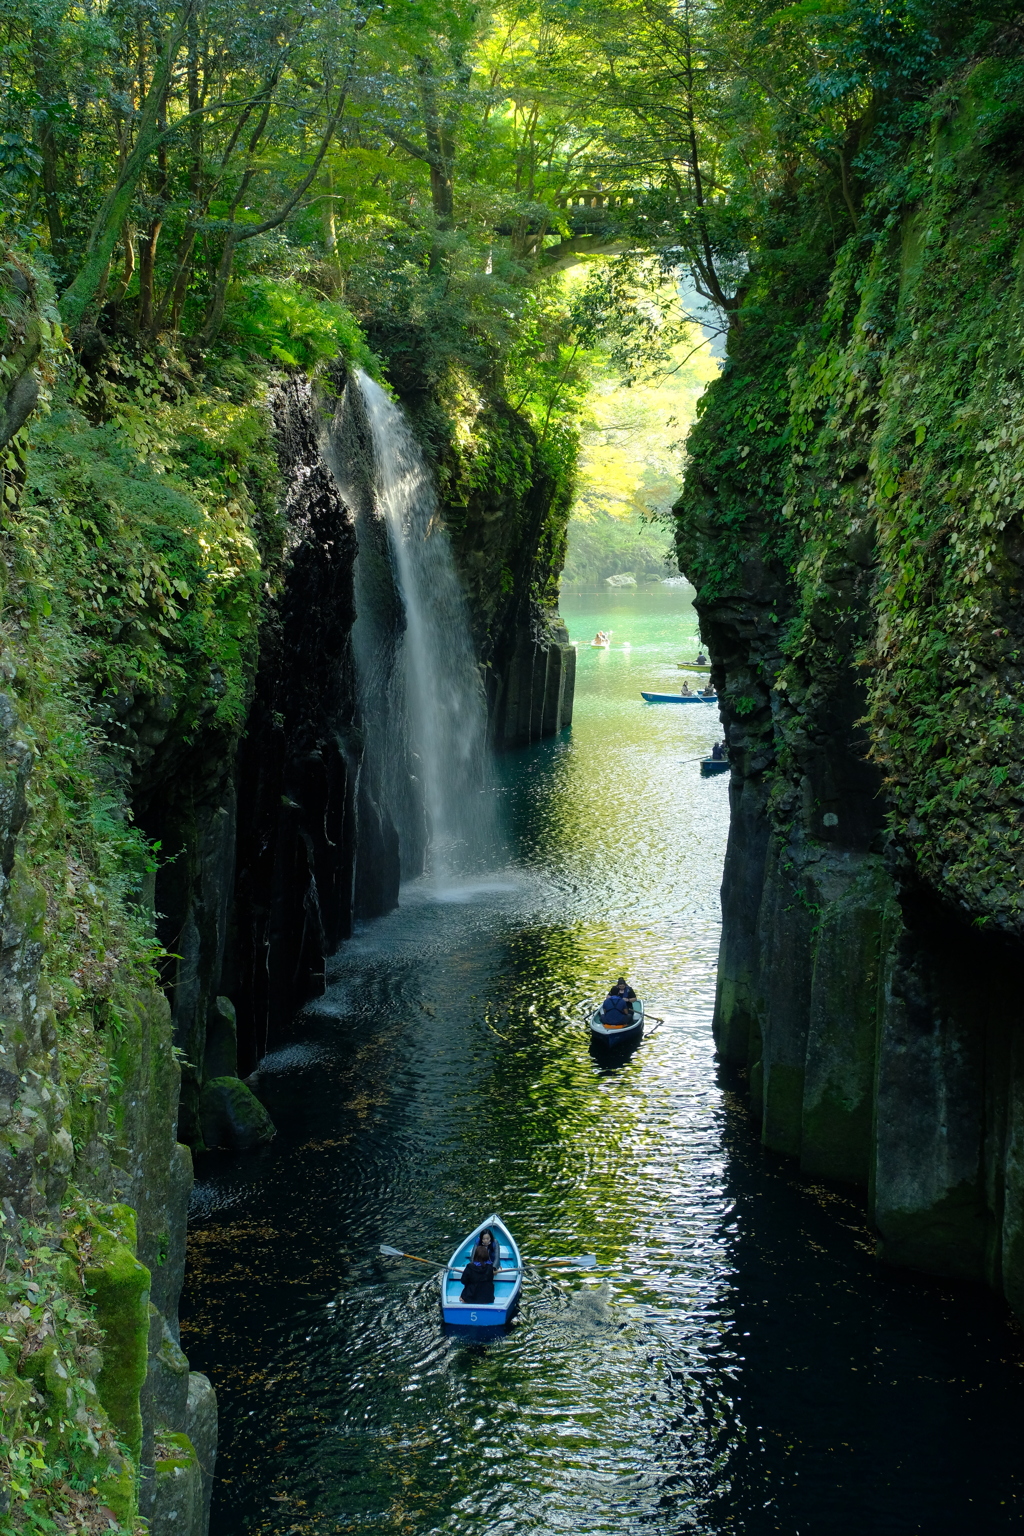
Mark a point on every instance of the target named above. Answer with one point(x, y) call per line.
point(734, 1363)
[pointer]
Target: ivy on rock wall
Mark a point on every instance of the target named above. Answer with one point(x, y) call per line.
point(71, 1441)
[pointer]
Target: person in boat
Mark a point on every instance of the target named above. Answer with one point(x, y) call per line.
point(718, 752)
point(478, 1275)
point(622, 982)
point(702, 660)
point(600, 638)
point(617, 1009)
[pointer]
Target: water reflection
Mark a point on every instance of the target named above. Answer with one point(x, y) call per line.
point(734, 1363)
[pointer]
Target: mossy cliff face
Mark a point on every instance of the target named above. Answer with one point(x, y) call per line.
point(507, 495)
point(187, 824)
point(852, 518)
point(506, 490)
point(124, 642)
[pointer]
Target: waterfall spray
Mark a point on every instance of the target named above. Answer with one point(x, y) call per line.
point(443, 694)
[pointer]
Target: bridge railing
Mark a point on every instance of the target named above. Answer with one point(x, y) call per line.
point(595, 199)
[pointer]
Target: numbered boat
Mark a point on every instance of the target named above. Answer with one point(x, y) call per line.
point(679, 698)
point(618, 1034)
point(508, 1281)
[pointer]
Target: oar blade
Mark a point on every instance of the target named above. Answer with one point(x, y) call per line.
point(400, 1253)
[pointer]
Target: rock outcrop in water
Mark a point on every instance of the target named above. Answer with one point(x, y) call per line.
point(852, 518)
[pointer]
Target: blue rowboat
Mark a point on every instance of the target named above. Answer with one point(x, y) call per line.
point(617, 1034)
point(508, 1281)
point(679, 698)
point(709, 766)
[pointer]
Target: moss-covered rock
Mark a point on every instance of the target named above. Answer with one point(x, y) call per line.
point(179, 1482)
point(118, 1288)
point(232, 1116)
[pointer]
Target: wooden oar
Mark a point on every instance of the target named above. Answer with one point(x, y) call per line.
point(585, 1260)
point(396, 1253)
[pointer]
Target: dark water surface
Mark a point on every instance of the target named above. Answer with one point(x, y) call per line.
point(736, 1363)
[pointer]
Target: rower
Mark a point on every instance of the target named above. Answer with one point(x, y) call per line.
point(617, 1010)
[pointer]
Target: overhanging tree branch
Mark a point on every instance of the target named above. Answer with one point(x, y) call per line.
point(236, 234)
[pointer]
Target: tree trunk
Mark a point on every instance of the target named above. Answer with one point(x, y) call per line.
point(19, 400)
point(128, 236)
point(147, 267)
point(215, 313)
point(50, 89)
point(76, 299)
point(442, 193)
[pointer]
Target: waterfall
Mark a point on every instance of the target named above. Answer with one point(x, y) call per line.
point(436, 668)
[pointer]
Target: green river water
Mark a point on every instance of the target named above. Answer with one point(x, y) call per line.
point(737, 1362)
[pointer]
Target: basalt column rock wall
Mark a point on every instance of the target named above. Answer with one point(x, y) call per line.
point(852, 519)
point(299, 761)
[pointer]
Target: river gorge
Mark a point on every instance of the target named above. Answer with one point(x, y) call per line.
point(737, 1362)
point(357, 366)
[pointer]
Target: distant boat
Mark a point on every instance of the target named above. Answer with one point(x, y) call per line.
point(601, 641)
point(508, 1281)
point(679, 698)
point(694, 666)
point(617, 1034)
point(709, 766)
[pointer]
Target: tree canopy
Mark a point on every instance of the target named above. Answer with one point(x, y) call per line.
point(199, 172)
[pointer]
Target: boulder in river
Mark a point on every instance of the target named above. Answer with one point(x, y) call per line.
point(232, 1116)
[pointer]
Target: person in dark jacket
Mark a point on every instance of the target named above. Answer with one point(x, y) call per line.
point(478, 1275)
point(622, 982)
point(617, 1010)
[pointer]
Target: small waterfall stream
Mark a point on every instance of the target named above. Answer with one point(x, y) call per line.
point(435, 666)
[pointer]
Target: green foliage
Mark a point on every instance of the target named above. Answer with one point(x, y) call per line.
point(135, 560)
point(604, 545)
point(288, 324)
point(887, 498)
point(137, 534)
point(61, 1465)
